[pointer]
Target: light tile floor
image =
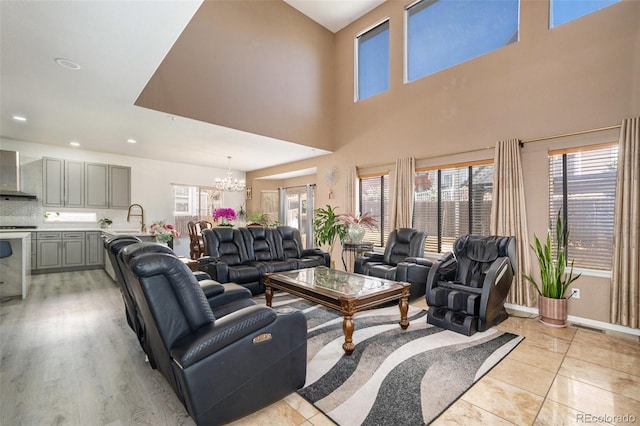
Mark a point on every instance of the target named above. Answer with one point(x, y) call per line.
point(556, 376)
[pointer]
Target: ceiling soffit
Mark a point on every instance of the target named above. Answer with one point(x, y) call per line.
point(259, 67)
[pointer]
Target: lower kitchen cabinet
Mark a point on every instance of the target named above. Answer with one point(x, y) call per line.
point(73, 249)
point(94, 249)
point(67, 250)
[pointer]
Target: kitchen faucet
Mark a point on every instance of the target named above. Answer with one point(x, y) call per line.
point(143, 227)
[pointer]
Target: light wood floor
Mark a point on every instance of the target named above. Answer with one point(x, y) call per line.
point(67, 357)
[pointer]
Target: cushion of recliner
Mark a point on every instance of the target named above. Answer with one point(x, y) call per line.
point(309, 262)
point(381, 270)
point(243, 274)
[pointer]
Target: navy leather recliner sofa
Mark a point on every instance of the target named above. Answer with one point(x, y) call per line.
point(244, 255)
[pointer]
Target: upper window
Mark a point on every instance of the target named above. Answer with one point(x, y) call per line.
point(372, 61)
point(374, 199)
point(582, 185)
point(194, 203)
point(563, 11)
point(444, 33)
point(452, 202)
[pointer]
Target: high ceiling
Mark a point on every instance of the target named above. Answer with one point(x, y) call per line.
point(118, 45)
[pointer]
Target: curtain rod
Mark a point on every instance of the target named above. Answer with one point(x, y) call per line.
point(581, 132)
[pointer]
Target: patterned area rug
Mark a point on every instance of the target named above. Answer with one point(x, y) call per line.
point(394, 377)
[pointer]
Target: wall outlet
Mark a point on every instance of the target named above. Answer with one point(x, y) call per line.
point(575, 293)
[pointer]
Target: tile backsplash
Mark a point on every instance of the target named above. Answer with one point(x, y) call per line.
point(31, 213)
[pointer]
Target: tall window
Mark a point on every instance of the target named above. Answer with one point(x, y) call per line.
point(374, 198)
point(194, 203)
point(444, 33)
point(582, 185)
point(563, 11)
point(452, 202)
point(372, 61)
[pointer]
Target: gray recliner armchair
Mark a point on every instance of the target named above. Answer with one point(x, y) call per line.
point(402, 244)
point(466, 289)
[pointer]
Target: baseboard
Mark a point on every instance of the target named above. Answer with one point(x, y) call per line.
point(581, 321)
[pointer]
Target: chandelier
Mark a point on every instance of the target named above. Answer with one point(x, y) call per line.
point(229, 183)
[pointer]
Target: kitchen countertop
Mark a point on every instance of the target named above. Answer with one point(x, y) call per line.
point(116, 231)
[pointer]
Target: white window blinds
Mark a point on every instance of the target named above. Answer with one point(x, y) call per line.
point(582, 186)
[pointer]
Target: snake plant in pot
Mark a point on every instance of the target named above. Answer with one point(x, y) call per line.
point(555, 279)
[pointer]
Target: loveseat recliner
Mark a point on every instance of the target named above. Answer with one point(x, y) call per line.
point(244, 255)
point(402, 260)
point(466, 289)
point(220, 368)
point(223, 298)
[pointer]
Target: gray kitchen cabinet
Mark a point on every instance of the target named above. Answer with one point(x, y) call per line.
point(119, 187)
point(96, 185)
point(94, 249)
point(62, 182)
point(52, 182)
point(74, 183)
point(69, 183)
point(73, 249)
point(49, 250)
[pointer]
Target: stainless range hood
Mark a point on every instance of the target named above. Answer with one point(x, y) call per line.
point(10, 177)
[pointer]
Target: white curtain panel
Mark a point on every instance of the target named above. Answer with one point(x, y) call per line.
point(401, 211)
point(509, 215)
point(625, 292)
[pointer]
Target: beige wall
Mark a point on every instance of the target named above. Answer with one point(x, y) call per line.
point(582, 75)
point(258, 66)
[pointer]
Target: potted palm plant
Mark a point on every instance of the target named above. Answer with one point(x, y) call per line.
point(327, 227)
point(554, 278)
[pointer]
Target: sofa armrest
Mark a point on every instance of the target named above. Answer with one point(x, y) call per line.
point(358, 262)
point(201, 276)
point(211, 288)
point(318, 252)
point(422, 261)
point(217, 269)
point(441, 270)
point(222, 333)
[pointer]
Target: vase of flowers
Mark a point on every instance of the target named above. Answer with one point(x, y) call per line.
point(164, 232)
point(224, 215)
point(356, 224)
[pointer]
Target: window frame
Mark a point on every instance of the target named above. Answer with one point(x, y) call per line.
point(356, 56)
point(196, 198)
point(566, 215)
point(551, 13)
point(439, 169)
point(383, 211)
point(406, 21)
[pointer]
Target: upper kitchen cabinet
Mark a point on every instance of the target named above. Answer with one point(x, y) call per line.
point(68, 183)
point(119, 187)
point(96, 185)
point(63, 182)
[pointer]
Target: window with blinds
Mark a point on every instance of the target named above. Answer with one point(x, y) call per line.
point(582, 186)
point(374, 198)
point(452, 202)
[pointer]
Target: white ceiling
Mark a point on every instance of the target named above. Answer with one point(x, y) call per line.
point(119, 45)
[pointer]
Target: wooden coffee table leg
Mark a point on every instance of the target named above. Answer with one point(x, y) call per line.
point(268, 294)
point(404, 308)
point(347, 327)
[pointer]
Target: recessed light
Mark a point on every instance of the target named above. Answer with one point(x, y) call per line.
point(65, 63)
point(74, 143)
point(19, 118)
point(132, 140)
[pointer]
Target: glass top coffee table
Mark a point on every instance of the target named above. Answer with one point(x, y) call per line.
point(345, 292)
